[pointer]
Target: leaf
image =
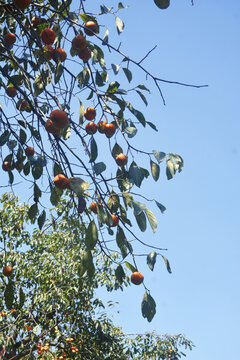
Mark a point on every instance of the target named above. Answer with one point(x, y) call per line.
point(37, 170)
point(55, 196)
point(105, 38)
point(128, 74)
point(33, 211)
point(121, 242)
point(130, 266)
point(99, 168)
point(4, 137)
point(142, 97)
point(160, 156)
point(22, 298)
point(143, 87)
point(120, 274)
point(141, 221)
point(99, 79)
point(138, 207)
point(116, 150)
point(167, 264)
point(36, 192)
point(22, 136)
point(131, 131)
point(91, 236)
point(119, 25)
point(113, 202)
point(152, 125)
point(162, 4)
point(58, 72)
point(57, 169)
point(26, 168)
point(136, 174)
point(81, 114)
point(66, 132)
point(9, 295)
point(41, 219)
point(87, 263)
point(152, 219)
point(148, 307)
point(170, 170)
point(94, 150)
point(41, 81)
point(151, 259)
point(78, 185)
point(112, 87)
point(161, 207)
point(155, 169)
point(116, 68)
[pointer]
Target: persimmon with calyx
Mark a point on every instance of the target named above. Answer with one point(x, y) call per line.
point(11, 91)
point(91, 28)
point(89, 113)
point(7, 270)
point(59, 118)
point(110, 129)
point(85, 54)
point(137, 278)
point(115, 220)
point(48, 36)
point(29, 151)
point(7, 166)
point(91, 128)
point(59, 55)
point(61, 181)
point(22, 4)
point(101, 127)
point(51, 128)
point(94, 207)
point(121, 159)
point(79, 42)
point(9, 39)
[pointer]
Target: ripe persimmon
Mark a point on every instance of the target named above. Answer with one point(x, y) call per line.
point(137, 278)
point(11, 91)
point(85, 54)
point(29, 151)
point(22, 4)
point(101, 127)
point(48, 36)
point(110, 129)
point(91, 28)
point(61, 181)
point(93, 207)
point(79, 42)
point(7, 270)
point(59, 55)
point(23, 105)
point(7, 166)
point(90, 113)
point(59, 118)
point(36, 21)
point(115, 220)
point(91, 128)
point(51, 128)
point(121, 159)
point(10, 39)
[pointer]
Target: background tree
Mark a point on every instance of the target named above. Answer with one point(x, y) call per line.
point(49, 309)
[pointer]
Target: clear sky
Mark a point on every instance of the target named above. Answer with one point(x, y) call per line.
point(199, 45)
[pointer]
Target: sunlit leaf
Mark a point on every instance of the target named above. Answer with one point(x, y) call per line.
point(151, 259)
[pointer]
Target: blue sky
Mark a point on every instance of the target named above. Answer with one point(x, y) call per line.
point(199, 45)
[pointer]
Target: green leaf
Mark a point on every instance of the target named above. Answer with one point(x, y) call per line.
point(35, 133)
point(26, 168)
point(119, 25)
point(130, 266)
point(87, 263)
point(155, 169)
point(55, 196)
point(143, 87)
point(101, 215)
point(11, 177)
point(99, 79)
point(33, 211)
point(152, 219)
point(121, 242)
point(138, 207)
point(37, 170)
point(57, 169)
point(166, 262)
point(22, 297)
point(91, 236)
point(105, 38)
point(152, 125)
point(94, 150)
point(162, 4)
point(4, 137)
point(41, 81)
point(141, 221)
point(136, 174)
point(148, 307)
point(81, 113)
point(22, 136)
point(120, 274)
point(36, 191)
point(142, 97)
point(78, 185)
point(66, 132)
point(116, 68)
point(99, 168)
point(160, 156)
point(161, 207)
point(128, 74)
point(170, 169)
point(113, 202)
point(58, 73)
point(41, 219)
point(151, 259)
point(112, 87)
point(116, 150)
point(9, 295)
point(130, 131)
point(127, 198)
point(136, 113)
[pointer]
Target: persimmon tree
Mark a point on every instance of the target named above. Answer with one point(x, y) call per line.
point(49, 308)
point(65, 107)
